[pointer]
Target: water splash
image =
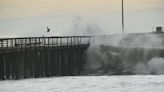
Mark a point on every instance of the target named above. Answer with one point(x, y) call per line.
point(126, 54)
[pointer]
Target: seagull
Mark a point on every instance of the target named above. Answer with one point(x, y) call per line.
point(48, 29)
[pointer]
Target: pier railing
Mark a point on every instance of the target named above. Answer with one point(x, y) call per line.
point(43, 41)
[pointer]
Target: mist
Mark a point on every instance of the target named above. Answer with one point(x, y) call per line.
point(141, 53)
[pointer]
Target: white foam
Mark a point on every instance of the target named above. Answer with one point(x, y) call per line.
point(156, 65)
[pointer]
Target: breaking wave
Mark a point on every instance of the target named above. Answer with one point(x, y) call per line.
point(125, 54)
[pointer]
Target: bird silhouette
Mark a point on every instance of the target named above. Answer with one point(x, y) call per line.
point(48, 29)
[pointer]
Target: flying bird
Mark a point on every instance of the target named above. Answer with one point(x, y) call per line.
point(48, 29)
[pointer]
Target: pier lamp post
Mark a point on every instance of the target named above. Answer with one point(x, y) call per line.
point(122, 16)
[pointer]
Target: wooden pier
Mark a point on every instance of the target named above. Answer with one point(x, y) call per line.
point(34, 57)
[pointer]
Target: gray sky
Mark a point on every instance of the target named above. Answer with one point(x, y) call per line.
point(77, 17)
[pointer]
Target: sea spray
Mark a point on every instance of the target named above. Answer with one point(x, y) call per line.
point(156, 65)
point(126, 54)
point(85, 28)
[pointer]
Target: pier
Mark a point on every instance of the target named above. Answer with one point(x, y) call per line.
point(34, 57)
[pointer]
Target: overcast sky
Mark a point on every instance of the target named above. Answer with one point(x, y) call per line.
point(78, 17)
